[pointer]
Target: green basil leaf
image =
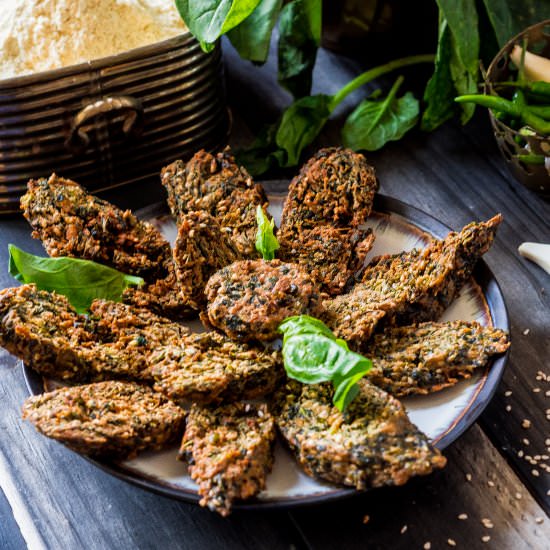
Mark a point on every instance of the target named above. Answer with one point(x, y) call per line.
point(373, 123)
point(299, 39)
point(266, 242)
point(251, 38)
point(345, 393)
point(209, 19)
point(440, 91)
point(81, 281)
point(305, 324)
point(301, 124)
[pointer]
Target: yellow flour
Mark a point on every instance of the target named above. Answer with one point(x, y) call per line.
point(37, 35)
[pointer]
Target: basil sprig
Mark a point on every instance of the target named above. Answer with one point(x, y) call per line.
point(266, 242)
point(312, 354)
point(81, 281)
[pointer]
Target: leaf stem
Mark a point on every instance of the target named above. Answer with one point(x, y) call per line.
point(371, 74)
point(389, 98)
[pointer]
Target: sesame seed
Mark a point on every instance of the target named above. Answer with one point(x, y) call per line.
point(520, 453)
point(537, 457)
point(539, 520)
point(468, 477)
point(547, 393)
point(526, 332)
point(508, 393)
point(485, 538)
point(525, 441)
point(427, 545)
point(545, 457)
point(508, 408)
point(463, 516)
point(451, 542)
point(526, 424)
point(518, 496)
point(491, 483)
point(487, 523)
point(404, 529)
point(548, 493)
point(536, 390)
point(535, 473)
point(366, 519)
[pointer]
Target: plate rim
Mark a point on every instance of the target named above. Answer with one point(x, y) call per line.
point(383, 204)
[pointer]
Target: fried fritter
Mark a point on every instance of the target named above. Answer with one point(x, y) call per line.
point(410, 287)
point(424, 358)
point(210, 368)
point(328, 200)
point(217, 185)
point(106, 419)
point(230, 452)
point(248, 300)
point(71, 222)
point(373, 443)
point(200, 250)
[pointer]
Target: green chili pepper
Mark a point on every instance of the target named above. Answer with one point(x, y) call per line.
point(531, 159)
point(515, 110)
point(539, 88)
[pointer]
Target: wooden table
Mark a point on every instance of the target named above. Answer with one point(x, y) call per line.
point(496, 483)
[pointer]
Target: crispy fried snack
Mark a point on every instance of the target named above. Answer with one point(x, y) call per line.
point(71, 222)
point(373, 443)
point(410, 287)
point(210, 368)
point(106, 419)
point(424, 358)
point(248, 300)
point(202, 247)
point(326, 203)
point(218, 186)
point(230, 452)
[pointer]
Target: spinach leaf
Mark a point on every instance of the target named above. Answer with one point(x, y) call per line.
point(440, 91)
point(251, 38)
point(209, 19)
point(501, 19)
point(301, 124)
point(373, 123)
point(299, 39)
point(312, 354)
point(266, 243)
point(81, 281)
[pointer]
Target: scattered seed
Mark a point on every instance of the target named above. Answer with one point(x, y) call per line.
point(535, 473)
point(520, 453)
point(539, 520)
point(508, 393)
point(526, 424)
point(518, 496)
point(468, 477)
point(366, 519)
point(526, 332)
point(487, 523)
point(485, 538)
point(427, 545)
point(547, 393)
point(508, 408)
point(463, 516)
point(537, 457)
point(451, 542)
point(536, 390)
point(491, 483)
point(525, 441)
point(404, 529)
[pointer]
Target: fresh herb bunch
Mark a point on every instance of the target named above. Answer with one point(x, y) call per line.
point(266, 242)
point(379, 119)
point(81, 281)
point(312, 354)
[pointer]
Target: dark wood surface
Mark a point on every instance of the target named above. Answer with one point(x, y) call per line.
point(52, 498)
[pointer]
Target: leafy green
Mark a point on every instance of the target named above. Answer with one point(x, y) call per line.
point(81, 281)
point(266, 242)
point(500, 16)
point(299, 39)
point(312, 354)
point(251, 38)
point(373, 123)
point(209, 19)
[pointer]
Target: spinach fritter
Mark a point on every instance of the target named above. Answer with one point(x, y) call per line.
point(106, 419)
point(409, 287)
point(326, 204)
point(230, 452)
point(248, 300)
point(217, 185)
point(210, 368)
point(424, 358)
point(373, 443)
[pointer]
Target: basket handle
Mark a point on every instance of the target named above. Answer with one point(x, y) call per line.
point(130, 107)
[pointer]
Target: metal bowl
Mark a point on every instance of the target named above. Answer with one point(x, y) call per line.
point(112, 121)
point(513, 145)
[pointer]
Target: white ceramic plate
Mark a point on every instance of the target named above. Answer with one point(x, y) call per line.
point(443, 416)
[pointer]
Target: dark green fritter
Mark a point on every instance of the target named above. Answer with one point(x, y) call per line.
point(424, 358)
point(410, 287)
point(106, 419)
point(201, 248)
point(217, 185)
point(248, 300)
point(373, 443)
point(230, 452)
point(71, 222)
point(210, 368)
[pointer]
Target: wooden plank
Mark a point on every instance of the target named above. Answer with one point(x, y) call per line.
point(73, 504)
point(429, 510)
